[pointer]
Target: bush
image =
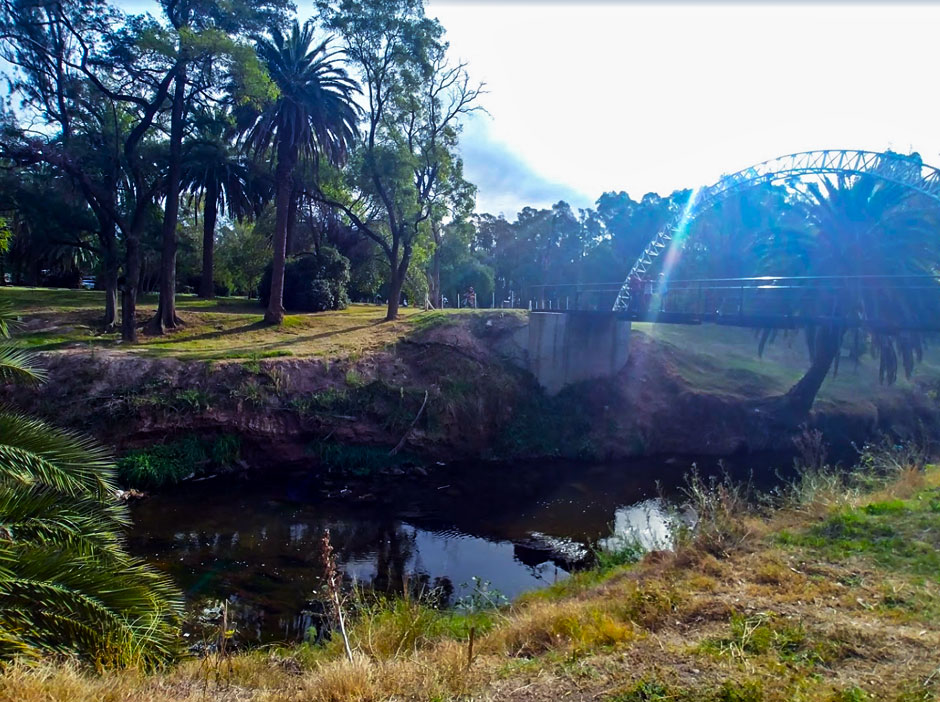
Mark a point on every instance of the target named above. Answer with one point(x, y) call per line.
point(312, 282)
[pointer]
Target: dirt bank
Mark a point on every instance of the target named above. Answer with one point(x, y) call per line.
point(479, 404)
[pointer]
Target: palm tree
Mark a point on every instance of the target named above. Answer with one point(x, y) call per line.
point(66, 583)
point(314, 115)
point(880, 241)
point(220, 180)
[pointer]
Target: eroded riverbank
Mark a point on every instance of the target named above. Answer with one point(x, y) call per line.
point(678, 394)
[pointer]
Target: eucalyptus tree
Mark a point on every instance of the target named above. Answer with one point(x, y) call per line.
point(415, 99)
point(84, 62)
point(40, 44)
point(218, 178)
point(314, 115)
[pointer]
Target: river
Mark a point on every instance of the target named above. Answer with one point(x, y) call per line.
point(256, 541)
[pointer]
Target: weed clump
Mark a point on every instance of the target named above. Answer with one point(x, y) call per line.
point(165, 464)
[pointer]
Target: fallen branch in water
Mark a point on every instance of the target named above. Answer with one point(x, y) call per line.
point(411, 426)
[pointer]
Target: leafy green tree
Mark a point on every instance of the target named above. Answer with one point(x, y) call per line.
point(66, 583)
point(402, 172)
point(313, 116)
point(312, 282)
point(243, 252)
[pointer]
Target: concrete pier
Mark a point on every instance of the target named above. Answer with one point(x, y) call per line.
point(564, 348)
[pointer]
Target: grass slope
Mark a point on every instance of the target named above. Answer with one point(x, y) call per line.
point(709, 358)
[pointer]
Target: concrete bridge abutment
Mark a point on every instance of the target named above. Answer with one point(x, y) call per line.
point(565, 348)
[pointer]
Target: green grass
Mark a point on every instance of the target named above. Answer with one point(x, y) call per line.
point(724, 360)
point(898, 535)
point(218, 329)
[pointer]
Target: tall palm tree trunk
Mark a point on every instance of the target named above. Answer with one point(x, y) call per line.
point(292, 222)
point(210, 215)
point(827, 345)
point(285, 166)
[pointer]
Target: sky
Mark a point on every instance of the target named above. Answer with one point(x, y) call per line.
point(583, 99)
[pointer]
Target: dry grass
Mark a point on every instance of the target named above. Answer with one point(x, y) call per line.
point(762, 621)
point(225, 328)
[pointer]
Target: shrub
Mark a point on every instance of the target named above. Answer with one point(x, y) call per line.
point(312, 282)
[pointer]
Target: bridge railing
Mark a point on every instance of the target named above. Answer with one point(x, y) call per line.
point(910, 300)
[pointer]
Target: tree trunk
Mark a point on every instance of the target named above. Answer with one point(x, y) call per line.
point(828, 343)
point(110, 271)
point(283, 188)
point(209, 216)
point(166, 310)
point(131, 282)
point(291, 244)
point(434, 282)
point(396, 281)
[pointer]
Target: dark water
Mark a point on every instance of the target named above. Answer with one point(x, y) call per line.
point(257, 542)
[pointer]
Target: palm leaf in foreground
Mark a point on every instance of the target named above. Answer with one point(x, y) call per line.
point(66, 584)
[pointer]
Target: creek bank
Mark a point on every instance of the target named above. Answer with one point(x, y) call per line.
point(349, 413)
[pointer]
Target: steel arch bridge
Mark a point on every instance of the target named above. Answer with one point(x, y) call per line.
point(906, 171)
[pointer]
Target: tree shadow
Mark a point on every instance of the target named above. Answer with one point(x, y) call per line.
point(244, 328)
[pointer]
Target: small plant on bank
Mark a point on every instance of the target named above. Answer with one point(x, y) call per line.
point(617, 552)
point(250, 392)
point(354, 378)
point(720, 506)
point(333, 589)
point(170, 463)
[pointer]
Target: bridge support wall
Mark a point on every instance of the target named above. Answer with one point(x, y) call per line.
point(566, 348)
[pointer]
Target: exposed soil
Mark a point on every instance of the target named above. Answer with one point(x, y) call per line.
point(480, 404)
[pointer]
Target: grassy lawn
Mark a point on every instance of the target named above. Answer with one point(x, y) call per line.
point(223, 328)
point(724, 360)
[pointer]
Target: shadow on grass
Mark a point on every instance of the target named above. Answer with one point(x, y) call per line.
point(219, 333)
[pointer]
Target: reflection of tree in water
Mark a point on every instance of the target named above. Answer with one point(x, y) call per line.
point(394, 548)
point(398, 566)
point(274, 568)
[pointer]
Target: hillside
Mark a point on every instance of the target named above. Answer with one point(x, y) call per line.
point(358, 380)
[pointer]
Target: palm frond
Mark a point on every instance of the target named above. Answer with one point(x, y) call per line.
point(19, 365)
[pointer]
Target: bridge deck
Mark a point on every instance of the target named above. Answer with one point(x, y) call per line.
point(753, 321)
point(762, 303)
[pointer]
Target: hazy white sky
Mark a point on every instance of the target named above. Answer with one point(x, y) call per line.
point(589, 98)
point(653, 98)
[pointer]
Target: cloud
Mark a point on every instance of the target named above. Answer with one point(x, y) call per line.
point(505, 182)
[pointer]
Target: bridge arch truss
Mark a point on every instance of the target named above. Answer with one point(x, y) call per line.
point(899, 169)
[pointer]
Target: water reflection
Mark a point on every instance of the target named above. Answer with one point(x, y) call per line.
point(257, 543)
point(650, 524)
